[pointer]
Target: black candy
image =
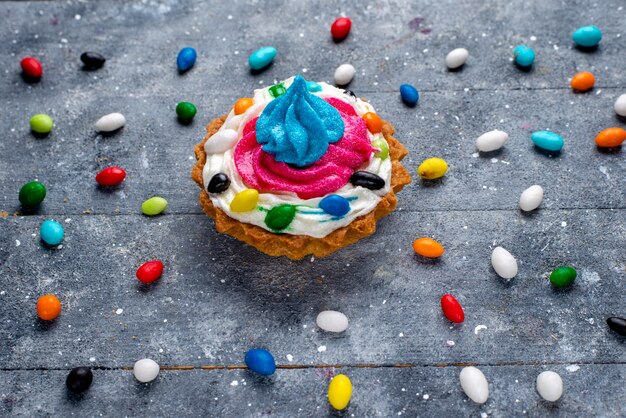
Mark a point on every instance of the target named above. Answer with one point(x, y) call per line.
point(92, 60)
point(366, 179)
point(617, 324)
point(79, 379)
point(219, 183)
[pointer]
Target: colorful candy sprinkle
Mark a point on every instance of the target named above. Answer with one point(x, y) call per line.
point(79, 379)
point(332, 321)
point(503, 263)
point(491, 141)
point(111, 122)
point(382, 147)
point(617, 324)
point(153, 206)
point(432, 168)
point(452, 308)
point(562, 276)
point(262, 57)
point(550, 386)
point(186, 59)
point(339, 392)
point(146, 370)
point(245, 201)
point(149, 271)
point(51, 232)
point(186, 111)
point(456, 58)
point(344, 74)
point(41, 123)
point(279, 217)
point(277, 90)
point(548, 141)
point(368, 180)
point(409, 95)
point(243, 104)
point(335, 205)
point(427, 247)
point(31, 67)
point(313, 87)
point(110, 176)
point(219, 183)
point(260, 361)
point(583, 81)
point(587, 36)
point(620, 105)
point(531, 198)
point(611, 137)
point(32, 194)
point(524, 56)
point(48, 307)
point(474, 384)
point(374, 122)
point(92, 60)
point(340, 28)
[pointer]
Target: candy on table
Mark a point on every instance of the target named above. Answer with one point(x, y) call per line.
point(583, 81)
point(146, 370)
point(428, 247)
point(92, 60)
point(339, 392)
point(51, 232)
point(221, 141)
point(368, 180)
point(262, 58)
point(531, 198)
point(260, 361)
point(31, 67)
point(550, 386)
point(524, 56)
point(153, 206)
point(382, 147)
point(149, 271)
point(452, 308)
point(617, 324)
point(332, 321)
point(611, 137)
point(340, 28)
point(491, 141)
point(48, 307)
point(432, 168)
point(186, 59)
point(335, 205)
point(562, 276)
point(79, 379)
point(548, 141)
point(587, 36)
point(504, 263)
point(243, 104)
point(279, 217)
point(41, 123)
point(245, 200)
point(344, 74)
point(111, 122)
point(620, 105)
point(110, 176)
point(474, 384)
point(186, 111)
point(219, 183)
point(373, 122)
point(456, 58)
point(32, 194)
point(409, 95)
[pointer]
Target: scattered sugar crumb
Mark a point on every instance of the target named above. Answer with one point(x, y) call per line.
point(426, 396)
point(234, 383)
point(119, 311)
point(479, 328)
point(17, 243)
point(92, 359)
point(289, 357)
point(572, 368)
point(483, 415)
point(563, 224)
point(321, 348)
point(450, 343)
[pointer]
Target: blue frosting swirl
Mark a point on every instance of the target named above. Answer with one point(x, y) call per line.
point(298, 126)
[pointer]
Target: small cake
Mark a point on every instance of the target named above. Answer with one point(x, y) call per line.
point(302, 168)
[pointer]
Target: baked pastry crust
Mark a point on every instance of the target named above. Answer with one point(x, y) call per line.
point(297, 247)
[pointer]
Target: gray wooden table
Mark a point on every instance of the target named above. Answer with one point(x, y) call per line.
point(218, 298)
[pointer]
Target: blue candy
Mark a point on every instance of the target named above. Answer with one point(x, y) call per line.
point(262, 57)
point(186, 59)
point(260, 361)
point(587, 36)
point(410, 95)
point(335, 205)
point(313, 87)
point(547, 140)
point(524, 56)
point(51, 232)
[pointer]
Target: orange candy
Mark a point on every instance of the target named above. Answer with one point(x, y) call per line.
point(243, 104)
point(374, 122)
point(427, 247)
point(48, 307)
point(583, 81)
point(611, 137)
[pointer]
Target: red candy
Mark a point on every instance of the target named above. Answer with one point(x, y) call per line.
point(111, 176)
point(452, 308)
point(31, 67)
point(340, 28)
point(150, 271)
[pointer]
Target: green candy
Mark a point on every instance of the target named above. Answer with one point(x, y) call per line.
point(32, 194)
point(153, 206)
point(186, 111)
point(41, 124)
point(562, 276)
point(280, 217)
point(381, 144)
point(277, 90)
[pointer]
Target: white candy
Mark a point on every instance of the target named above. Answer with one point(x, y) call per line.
point(146, 370)
point(474, 384)
point(221, 141)
point(620, 105)
point(550, 386)
point(110, 122)
point(344, 74)
point(503, 263)
point(456, 58)
point(332, 321)
point(491, 140)
point(531, 198)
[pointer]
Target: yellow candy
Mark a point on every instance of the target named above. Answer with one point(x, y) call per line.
point(432, 168)
point(339, 392)
point(245, 200)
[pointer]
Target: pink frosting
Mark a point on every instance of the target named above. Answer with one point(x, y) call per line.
point(261, 171)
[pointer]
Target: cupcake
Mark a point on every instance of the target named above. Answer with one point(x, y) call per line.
point(301, 168)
